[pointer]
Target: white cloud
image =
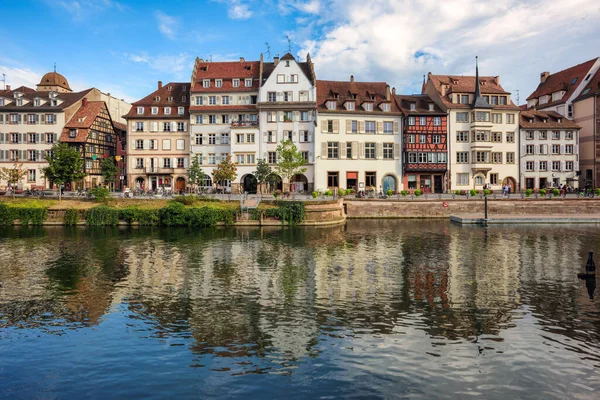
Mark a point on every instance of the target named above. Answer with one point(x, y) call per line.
point(166, 24)
point(309, 7)
point(81, 10)
point(239, 11)
point(399, 41)
point(20, 76)
point(178, 64)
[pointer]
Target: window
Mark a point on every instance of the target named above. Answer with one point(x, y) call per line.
point(569, 135)
point(437, 121)
point(385, 107)
point(88, 164)
point(72, 133)
point(166, 163)
point(462, 157)
point(413, 106)
point(412, 157)
point(462, 136)
point(422, 139)
point(167, 110)
point(206, 83)
point(181, 127)
point(349, 150)
point(280, 78)
point(199, 139)
point(272, 97)
point(248, 82)
point(303, 95)
point(250, 138)
point(305, 156)
point(287, 116)
point(50, 119)
point(482, 116)
point(212, 138)
point(212, 159)
point(225, 118)
point(139, 127)
point(480, 136)
point(502, 100)
point(388, 151)
point(371, 179)
point(180, 110)
point(368, 106)
point(331, 105)
point(219, 83)
point(271, 137)
point(494, 100)
point(14, 118)
point(493, 179)
point(287, 96)
point(479, 180)
point(422, 121)
point(240, 137)
point(250, 158)
point(510, 137)
point(388, 127)
point(167, 126)
point(333, 179)
point(154, 110)
point(32, 118)
point(436, 139)
point(32, 155)
point(411, 139)
point(555, 149)
point(464, 99)
point(431, 107)
point(199, 100)
point(224, 138)
point(212, 100)
point(166, 144)
point(180, 144)
point(529, 135)
point(353, 127)
point(370, 150)
point(272, 157)
point(510, 118)
point(496, 118)
point(555, 135)
point(411, 121)
point(530, 149)
point(50, 138)
point(555, 165)
point(497, 158)
point(462, 117)
point(212, 119)
point(370, 126)
point(497, 137)
point(569, 165)
point(304, 116)
point(543, 135)
point(462, 179)
point(529, 166)
point(304, 138)
point(543, 165)
point(235, 83)
point(350, 105)
point(333, 150)
point(510, 158)
point(140, 110)
point(569, 149)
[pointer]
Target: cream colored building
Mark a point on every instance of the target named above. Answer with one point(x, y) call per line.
point(483, 130)
point(358, 136)
point(158, 139)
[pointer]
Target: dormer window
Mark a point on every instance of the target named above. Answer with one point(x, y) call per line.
point(248, 82)
point(180, 110)
point(235, 83)
point(336, 95)
point(154, 110)
point(183, 99)
point(385, 107)
point(205, 68)
point(287, 63)
point(19, 102)
point(372, 97)
point(54, 102)
point(206, 83)
point(157, 98)
point(560, 120)
point(331, 105)
point(72, 133)
point(218, 82)
point(169, 88)
point(502, 100)
point(368, 106)
point(431, 107)
point(167, 110)
point(1, 102)
point(413, 106)
point(184, 87)
point(140, 110)
point(36, 102)
point(350, 106)
point(248, 67)
point(169, 99)
point(482, 83)
point(454, 81)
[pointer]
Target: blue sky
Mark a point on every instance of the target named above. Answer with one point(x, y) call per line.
point(124, 47)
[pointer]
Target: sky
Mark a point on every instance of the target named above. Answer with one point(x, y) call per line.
point(125, 46)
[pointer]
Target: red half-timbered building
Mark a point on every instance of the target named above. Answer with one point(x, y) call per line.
point(425, 148)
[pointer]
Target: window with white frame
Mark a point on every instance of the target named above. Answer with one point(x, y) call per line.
point(212, 138)
point(555, 165)
point(529, 166)
point(235, 83)
point(304, 116)
point(510, 137)
point(411, 139)
point(139, 144)
point(248, 82)
point(167, 110)
point(212, 119)
point(569, 135)
point(166, 163)
point(140, 110)
point(206, 83)
point(333, 150)
point(543, 165)
point(368, 106)
point(304, 137)
point(350, 105)
point(422, 139)
point(510, 157)
point(224, 138)
point(411, 121)
point(180, 110)
point(331, 105)
point(510, 118)
point(555, 149)
point(225, 100)
point(272, 157)
point(569, 165)
point(212, 159)
point(199, 139)
point(436, 139)
point(422, 121)
point(388, 127)
point(199, 119)
point(385, 107)
point(154, 110)
point(139, 127)
point(218, 83)
point(462, 179)
point(569, 149)
point(413, 106)
point(437, 121)
point(462, 157)
point(388, 151)
point(462, 117)
point(369, 126)
point(462, 137)
point(370, 151)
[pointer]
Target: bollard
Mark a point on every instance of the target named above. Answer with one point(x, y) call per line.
point(486, 209)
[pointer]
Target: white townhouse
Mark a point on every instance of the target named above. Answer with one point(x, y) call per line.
point(549, 150)
point(287, 111)
point(358, 136)
point(483, 128)
point(224, 119)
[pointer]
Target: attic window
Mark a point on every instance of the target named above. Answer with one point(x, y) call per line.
point(36, 102)
point(586, 91)
point(19, 102)
point(72, 133)
point(140, 110)
point(336, 95)
point(560, 120)
point(53, 102)
point(454, 81)
point(372, 97)
point(157, 98)
point(235, 83)
point(331, 105)
point(183, 99)
point(81, 119)
point(430, 106)
point(588, 77)
point(287, 63)
point(482, 83)
point(169, 98)
point(354, 96)
point(573, 81)
point(248, 67)
point(368, 106)
point(169, 88)
point(385, 107)
point(350, 105)
point(413, 106)
point(184, 88)
point(531, 121)
point(204, 68)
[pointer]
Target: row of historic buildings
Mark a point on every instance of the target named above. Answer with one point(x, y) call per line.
point(461, 132)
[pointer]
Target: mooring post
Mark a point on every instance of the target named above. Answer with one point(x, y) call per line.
point(590, 267)
point(486, 209)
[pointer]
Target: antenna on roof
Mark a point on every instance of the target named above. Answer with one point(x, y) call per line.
point(518, 98)
point(268, 50)
point(289, 40)
point(54, 67)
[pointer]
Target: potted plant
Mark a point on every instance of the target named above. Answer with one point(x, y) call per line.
point(328, 193)
point(528, 193)
point(404, 193)
point(473, 192)
point(542, 192)
point(555, 192)
point(418, 193)
point(457, 192)
point(315, 195)
point(486, 192)
point(390, 192)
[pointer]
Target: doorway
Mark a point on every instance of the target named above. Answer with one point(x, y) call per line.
point(352, 180)
point(250, 184)
point(426, 183)
point(389, 183)
point(437, 184)
point(180, 185)
point(543, 183)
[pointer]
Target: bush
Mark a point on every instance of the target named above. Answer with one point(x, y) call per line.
point(291, 212)
point(542, 192)
point(100, 193)
point(597, 192)
point(404, 193)
point(473, 192)
point(555, 192)
point(390, 192)
point(172, 215)
point(457, 192)
point(141, 216)
point(71, 217)
point(486, 192)
point(528, 193)
point(418, 193)
point(341, 192)
point(102, 216)
point(315, 195)
point(328, 193)
point(27, 215)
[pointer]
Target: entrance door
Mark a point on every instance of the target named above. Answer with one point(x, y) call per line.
point(352, 180)
point(179, 185)
point(389, 183)
point(153, 183)
point(543, 183)
point(437, 184)
point(426, 183)
point(250, 184)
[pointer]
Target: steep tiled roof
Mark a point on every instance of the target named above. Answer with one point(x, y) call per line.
point(82, 120)
point(358, 92)
point(67, 99)
point(120, 126)
point(421, 102)
point(305, 66)
point(54, 79)
point(176, 90)
point(534, 119)
point(592, 88)
point(227, 71)
point(568, 80)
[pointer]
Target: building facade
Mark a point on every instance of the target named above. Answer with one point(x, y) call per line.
point(549, 150)
point(92, 132)
point(425, 147)
point(224, 119)
point(358, 137)
point(158, 139)
point(483, 127)
point(287, 111)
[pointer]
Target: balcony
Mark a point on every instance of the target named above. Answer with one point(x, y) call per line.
point(159, 170)
point(425, 167)
point(244, 124)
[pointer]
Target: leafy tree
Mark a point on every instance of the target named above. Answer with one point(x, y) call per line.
point(13, 175)
point(65, 164)
point(289, 160)
point(225, 171)
point(195, 173)
point(263, 170)
point(109, 169)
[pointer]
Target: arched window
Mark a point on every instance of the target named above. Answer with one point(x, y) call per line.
point(479, 180)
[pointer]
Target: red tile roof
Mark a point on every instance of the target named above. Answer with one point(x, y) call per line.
point(82, 120)
point(67, 99)
point(421, 102)
point(306, 67)
point(534, 119)
point(178, 90)
point(359, 92)
point(489, 85)
point(227, 71)
point(568, 80)
point(592, 88)
point(120, 126)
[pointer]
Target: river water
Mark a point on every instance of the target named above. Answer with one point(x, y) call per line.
point(374, 309)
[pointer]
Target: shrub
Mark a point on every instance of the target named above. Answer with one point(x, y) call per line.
point(542, 192)
point(328, 193)
point(102, 216)
point(100, 193)
point(418, 192)
point(315, 195)
point(597, 192)
point(140, 215)
point(457, 192)
point(341, 192)
point(71, 217)
point(172, 215)
point(32, 213)
point(486, 192)
point(555, 192)
point(404, 193)
point(291, 212)
point(473, 192)
point(528, 192)
point(390, 192)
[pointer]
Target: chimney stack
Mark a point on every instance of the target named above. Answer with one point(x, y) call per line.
point(242, 59)
point(160, 84)
point(443, 89)
point(275, 60)
point(387, 92)
point(544, 76)
point(351, 78)
point(497, 80)
point(84, 102)
point(7, 87)
point(394, 91)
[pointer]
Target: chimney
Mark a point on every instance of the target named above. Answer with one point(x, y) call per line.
point(275, 60)
point(160, 84)
point(7, 87)
point(544, 76)
point(242, 59)
point(394, 91)
point(351, 78)
point(497, 80)
point(387, 92)
point(443, 89)
point(84, 102)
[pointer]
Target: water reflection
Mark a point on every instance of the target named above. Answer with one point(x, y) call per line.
point(345, 301)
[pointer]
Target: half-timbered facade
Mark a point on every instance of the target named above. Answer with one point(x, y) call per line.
point(425, 147)
point(358, 136)
point(92, 132)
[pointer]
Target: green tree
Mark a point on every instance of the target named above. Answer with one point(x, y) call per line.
point(289, 160)
point(65, 164)
point(109, 169)
point(195, 173)
point(13, 175)
point(225, 171)
point(263, 170)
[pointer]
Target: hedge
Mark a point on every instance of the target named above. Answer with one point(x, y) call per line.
point(27, 215)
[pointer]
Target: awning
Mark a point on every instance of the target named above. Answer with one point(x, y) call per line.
point(351, 175)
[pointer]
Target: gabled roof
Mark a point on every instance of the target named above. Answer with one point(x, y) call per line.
point(421, 102)
point(177, 92)
point(227, 71)
point(82, 120)
point(568, 80)
point(66, 99)
point(306, 67)
point(545, 120)
point(359, 92)
point(592, 88)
